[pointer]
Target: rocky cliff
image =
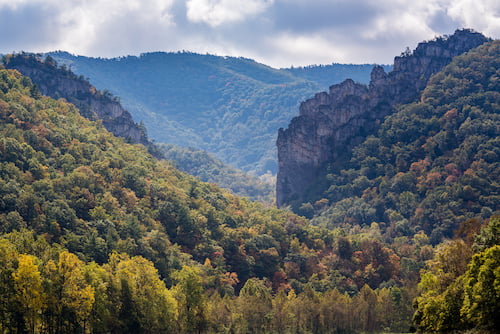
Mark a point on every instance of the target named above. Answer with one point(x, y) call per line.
point(331, 123)
point(59, 82)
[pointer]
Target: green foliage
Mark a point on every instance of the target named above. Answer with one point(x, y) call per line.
point(192, 304)
point(441, 288)
point(255, 305)
point(458, 291)
point(482, 289)
point(489, 236)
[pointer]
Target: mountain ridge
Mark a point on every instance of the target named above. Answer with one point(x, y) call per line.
point(60, 82)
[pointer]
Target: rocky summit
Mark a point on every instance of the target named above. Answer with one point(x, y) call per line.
point(331, 123)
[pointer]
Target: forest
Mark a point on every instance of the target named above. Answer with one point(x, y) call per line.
point(98, 236)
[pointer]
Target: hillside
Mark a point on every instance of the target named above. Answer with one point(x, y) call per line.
point(60, 82)
point(67, 178)
point(209, 169)
point(331, 124)
point(230, 107)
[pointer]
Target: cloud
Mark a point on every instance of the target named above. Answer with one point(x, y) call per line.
point(78, 25)
point(217, 12)
point(25, 28)
point(279, 33)
point(317, 15)
point(483, 15)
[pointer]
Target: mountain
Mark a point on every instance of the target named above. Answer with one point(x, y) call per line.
point(98, 235)
point(230, 107)
point(428, 166)
point(58, 82)
point(331, 124)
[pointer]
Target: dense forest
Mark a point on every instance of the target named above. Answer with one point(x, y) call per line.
point(231, 107)
point(98, 236)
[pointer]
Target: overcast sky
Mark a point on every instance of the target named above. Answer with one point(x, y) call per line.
point(279, 33)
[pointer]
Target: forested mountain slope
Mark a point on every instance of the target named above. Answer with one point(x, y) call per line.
point(230, 107)
point(332, 123)
point(60, 82)
point(68, 178)
point(433, 164)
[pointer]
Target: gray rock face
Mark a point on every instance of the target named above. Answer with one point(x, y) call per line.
point(59, 83)
point(330, 124)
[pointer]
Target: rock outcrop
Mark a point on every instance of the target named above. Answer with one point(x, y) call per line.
point(59, 82)
point(331, 123)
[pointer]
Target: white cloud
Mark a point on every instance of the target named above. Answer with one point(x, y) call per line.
point(217, 12)
point(88, 22)
point(483, 16)
point(77, 25)
point(13, 4)
point(403, 18)
point(292, 49)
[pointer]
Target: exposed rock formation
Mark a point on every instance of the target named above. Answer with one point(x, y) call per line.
point(61, 83)
point(331, 124)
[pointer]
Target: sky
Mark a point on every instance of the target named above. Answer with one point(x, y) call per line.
point(279, 33)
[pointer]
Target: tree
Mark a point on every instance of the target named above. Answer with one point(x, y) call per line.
point(28, 285)
point(192, 301)
point(8, 259)
point(481, 305)
point(144, 294)
point(489, 236)
point(78, 295)
point(441, 289)
point(255, 304)
point(69, 297)
point(344, 248)
point(365, 306)
point(337, 312)
point(282, 316)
